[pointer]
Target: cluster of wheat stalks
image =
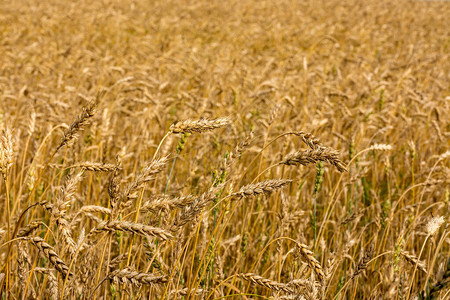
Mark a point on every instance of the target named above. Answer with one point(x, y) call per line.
point(224, 150)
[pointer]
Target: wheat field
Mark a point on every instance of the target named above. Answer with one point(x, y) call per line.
point(224, 149)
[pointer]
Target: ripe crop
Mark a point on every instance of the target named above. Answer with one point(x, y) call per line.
point(224, 149)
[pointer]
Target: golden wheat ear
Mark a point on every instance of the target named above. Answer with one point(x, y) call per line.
point(71, 134)
point(199, 126)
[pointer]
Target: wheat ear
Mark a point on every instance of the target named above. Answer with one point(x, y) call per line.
point(313, 156)
point(259, 280)
point(199, 126)
point(50, 253)
point(261, 188)
point(128, 276)
point(140, 229)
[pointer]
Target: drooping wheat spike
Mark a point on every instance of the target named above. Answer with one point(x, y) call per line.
point(201, 125)
point(140, 229)
point(313, 156)
point(414, 260)
point(146, 175)
point(128, 276)
point(6, 151)
point(362, 264)
point(71, 134)
point(313, 263)
point(261, 188)
point(27, 230)
point(97, 167)
point(50, 253)
point(259, 280)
